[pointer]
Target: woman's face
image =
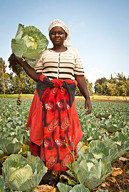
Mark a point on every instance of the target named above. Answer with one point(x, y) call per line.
point(57, 36)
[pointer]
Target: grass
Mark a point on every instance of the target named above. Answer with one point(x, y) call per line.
point(94, 98)
point(15, 96)
point(103, 98)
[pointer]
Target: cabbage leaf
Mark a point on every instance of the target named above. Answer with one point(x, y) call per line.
point(2, 184)
point(29, 43)
point(21, 173)
point(10, 142)
point(77, 188)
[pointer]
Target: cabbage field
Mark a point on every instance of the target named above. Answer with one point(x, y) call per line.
point(102, 164)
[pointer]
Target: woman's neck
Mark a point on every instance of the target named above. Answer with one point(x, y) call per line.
point(59, 48)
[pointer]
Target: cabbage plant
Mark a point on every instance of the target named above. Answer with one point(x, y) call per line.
point(13, 136)
point(2, 184)
point(94, 165)
point(28, 43)
point(10, 142)
point(77, 188)
point(22, 174)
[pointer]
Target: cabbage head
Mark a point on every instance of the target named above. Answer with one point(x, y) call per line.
point(10, 142)
point(2, 184)
point(28, 43)
point(22, 174)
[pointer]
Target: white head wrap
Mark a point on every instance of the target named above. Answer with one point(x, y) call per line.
point(60, 23)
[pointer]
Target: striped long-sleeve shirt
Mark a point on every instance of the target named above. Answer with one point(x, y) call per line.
point(60, 65)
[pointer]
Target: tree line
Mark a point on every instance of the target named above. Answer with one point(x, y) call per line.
point(115, 86)
point(11, 83)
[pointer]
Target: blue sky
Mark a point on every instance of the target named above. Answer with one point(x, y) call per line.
point(99, 30)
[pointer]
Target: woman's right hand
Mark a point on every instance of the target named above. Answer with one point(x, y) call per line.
point(13, 62)
point(19, 59)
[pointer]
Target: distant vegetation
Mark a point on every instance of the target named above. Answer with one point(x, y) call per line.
point(118, 86)
point(13, 84)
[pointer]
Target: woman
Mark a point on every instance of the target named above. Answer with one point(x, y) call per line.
point(54, 125)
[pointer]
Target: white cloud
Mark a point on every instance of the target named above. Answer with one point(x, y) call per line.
point(95, 74)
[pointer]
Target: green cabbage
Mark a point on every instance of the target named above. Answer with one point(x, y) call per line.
point(2, 184)
point(63, 187)
point(77, 188)
point(22, 174)
point(94, 166)
point(29, 42)
point(1, 154)
point(10, 141)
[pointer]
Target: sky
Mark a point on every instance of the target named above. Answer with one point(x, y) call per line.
point(99, 30)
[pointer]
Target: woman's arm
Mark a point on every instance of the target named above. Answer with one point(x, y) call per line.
point(27, 68)
point(82, 85)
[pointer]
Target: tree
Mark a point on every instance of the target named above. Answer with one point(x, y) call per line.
point(120, 77)
point(112, 80)
point(122, 88)
point(114, 86)
point(112, 89)
point(89, 86)
point(101, 86)
point(98, 88)
point(2, 72)
point(101, 81)
point(127, 85)
point(19, 84)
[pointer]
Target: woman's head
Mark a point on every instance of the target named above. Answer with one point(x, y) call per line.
point(58, 27)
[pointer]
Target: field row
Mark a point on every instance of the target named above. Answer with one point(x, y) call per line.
point(105, 140)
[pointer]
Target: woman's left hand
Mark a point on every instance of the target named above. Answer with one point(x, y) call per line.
point(88, 105)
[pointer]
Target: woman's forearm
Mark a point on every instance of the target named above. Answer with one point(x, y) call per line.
point(82, 85)
point(28, 69)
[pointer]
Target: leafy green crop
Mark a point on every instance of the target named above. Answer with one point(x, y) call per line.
point(106, 131)
point(94, 166)
point(2, 184)
point(13, 132)
point(77, 188)
point(29, 42)
point(105, 118)
point(21, 173)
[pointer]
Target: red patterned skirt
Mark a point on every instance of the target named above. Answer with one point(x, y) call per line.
point(54, 124)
